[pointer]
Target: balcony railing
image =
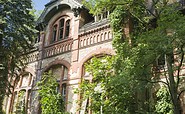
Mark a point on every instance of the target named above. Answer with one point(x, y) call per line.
point(58, 48)
point(94, 36)
point(32, 56)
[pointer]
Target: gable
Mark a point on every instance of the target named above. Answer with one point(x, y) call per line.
point(54, 6)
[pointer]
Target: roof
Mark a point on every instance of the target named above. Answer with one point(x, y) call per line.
point(53, 5)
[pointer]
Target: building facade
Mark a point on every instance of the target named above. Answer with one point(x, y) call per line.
point(68, 37)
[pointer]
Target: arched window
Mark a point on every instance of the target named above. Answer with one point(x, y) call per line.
point(61, 29)
point(61, 74)
point(88, 78)
point(21, 94)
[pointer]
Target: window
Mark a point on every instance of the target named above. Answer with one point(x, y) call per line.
point(60, 72)
point(21, 99)
point(54, 33)
point(162, 59)
point(60, 29)
point(64, 91)
point(102, 16)
point(65, 72)
point(67, 28)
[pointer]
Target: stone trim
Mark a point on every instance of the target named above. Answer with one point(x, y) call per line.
point(56, 62)
point(102, 51)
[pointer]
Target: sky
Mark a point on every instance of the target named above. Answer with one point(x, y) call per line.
point(39, 4)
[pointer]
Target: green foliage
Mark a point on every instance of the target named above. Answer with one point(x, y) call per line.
point(16, 37)
point(35, 13)
point(20, 104)
point(101, 71)
point(115, 93)
point(155, 30)
point(164, 104)
point(51, 101)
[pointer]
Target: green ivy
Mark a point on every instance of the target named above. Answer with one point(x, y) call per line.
point(164, 104)
point(51, 101)
point(20, 104)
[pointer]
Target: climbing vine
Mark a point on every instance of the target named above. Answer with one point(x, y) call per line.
point(51, 100)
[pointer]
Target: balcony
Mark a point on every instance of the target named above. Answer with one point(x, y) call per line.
point(94, 35)
point(58, 48)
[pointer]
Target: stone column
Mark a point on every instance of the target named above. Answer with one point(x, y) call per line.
point(35, 105)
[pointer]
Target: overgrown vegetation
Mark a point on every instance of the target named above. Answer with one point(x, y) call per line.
point(113, 95)
point(163, 105)
point(20, 104)
point(16, 36)
point(50, 99)
point(156, 30)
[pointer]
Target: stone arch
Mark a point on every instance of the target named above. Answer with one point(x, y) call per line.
point(67, 14)
point(62, 76)
point(102, 51)
point(23, 82)
point(57, 62)
point(28, 70)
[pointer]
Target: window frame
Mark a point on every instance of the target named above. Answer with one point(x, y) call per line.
point(65, 28)
point(62, 81)
point(19, 88)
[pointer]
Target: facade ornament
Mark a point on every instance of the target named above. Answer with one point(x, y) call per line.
point(77, 11)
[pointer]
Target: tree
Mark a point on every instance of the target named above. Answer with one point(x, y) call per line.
point(51, 100)
point(155, 32)
point(164, 104)
point(16, 36)
point(112, 95)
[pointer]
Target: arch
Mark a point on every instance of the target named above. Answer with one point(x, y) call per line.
point(102, 51)
point(28, 70)
point(48, 13)
point(57, 62)
point(66, 14)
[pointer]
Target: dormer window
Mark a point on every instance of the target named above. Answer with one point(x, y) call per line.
point(60, 29)
point(102, 16)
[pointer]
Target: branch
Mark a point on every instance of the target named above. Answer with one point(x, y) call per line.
point(154, 81)
point(150, 12)
point(180, 94)
point(179, 67)
point(165, 75)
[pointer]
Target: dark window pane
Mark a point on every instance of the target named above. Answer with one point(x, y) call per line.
point(54, 34)
point(61, 28)
point(161, 60)
point(64, 92)
point(67, 28)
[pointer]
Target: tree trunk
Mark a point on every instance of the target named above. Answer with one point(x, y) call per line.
point(172, 86)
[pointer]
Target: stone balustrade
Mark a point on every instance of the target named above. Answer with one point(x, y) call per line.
point(31, 57)
point(91, 37)
point(58, 48)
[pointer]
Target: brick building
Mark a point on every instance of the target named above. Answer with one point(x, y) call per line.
point(68, 37)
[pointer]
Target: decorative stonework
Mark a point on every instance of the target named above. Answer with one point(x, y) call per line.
point(97, 35)
point(32, 57)
point(58, 48)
